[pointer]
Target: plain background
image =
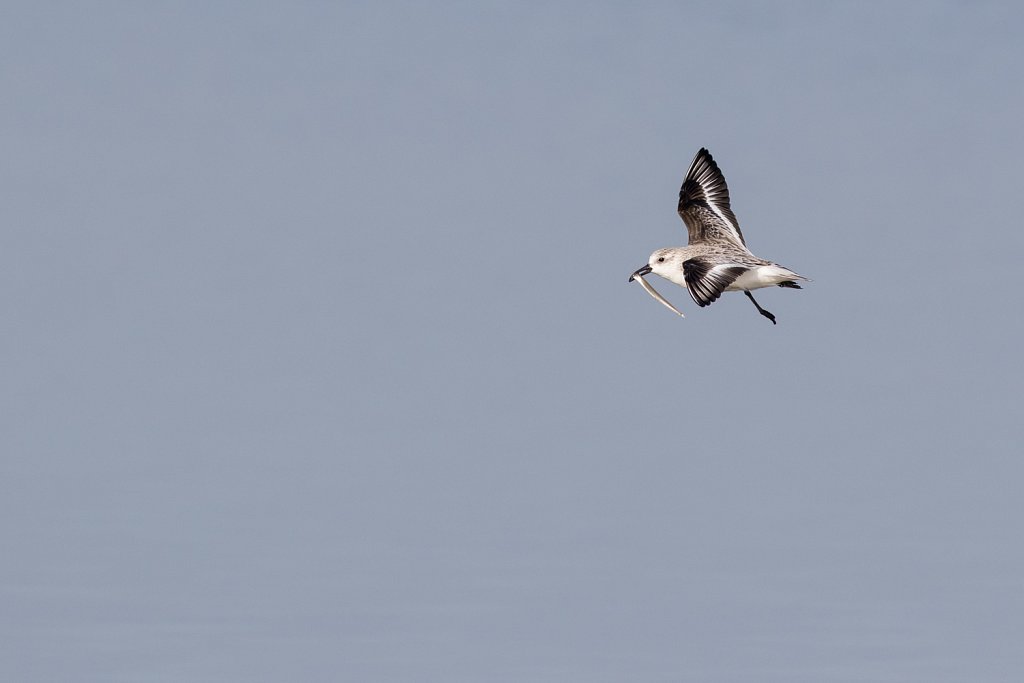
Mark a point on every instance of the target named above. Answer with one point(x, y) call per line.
point(320, 362)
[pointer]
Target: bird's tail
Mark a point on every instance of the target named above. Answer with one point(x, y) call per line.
point(784, 277)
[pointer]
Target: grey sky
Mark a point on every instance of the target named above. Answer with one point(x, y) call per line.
point(321, 363)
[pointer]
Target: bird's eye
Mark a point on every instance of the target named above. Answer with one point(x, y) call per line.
point(661, 259)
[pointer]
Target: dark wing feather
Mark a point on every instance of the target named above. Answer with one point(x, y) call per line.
point(706, 281)
point(704, 203)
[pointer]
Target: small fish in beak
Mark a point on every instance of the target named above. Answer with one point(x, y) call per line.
point(639, 277)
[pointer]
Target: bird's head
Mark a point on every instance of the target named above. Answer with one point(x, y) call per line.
point(663, 262)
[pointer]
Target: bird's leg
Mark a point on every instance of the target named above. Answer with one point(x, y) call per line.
point(759, 309)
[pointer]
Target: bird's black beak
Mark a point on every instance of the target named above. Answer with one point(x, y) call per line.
point(643, 271)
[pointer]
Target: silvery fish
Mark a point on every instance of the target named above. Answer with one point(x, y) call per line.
point(653, 292)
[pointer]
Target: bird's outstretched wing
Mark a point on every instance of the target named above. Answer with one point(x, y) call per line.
point(706, 281)
point(704, 203)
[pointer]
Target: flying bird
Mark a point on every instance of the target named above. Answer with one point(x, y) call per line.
point(716, 258)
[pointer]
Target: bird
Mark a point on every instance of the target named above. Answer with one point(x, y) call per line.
point(716, 258)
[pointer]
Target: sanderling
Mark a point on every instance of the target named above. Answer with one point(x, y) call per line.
point(717, 259)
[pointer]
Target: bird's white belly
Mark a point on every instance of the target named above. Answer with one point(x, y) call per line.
point(762, 276)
